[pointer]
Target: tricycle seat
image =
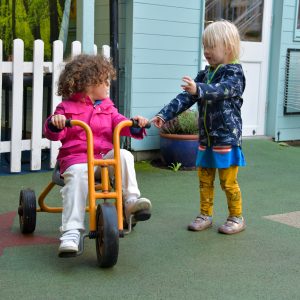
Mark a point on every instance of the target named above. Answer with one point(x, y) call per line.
point(56, 178)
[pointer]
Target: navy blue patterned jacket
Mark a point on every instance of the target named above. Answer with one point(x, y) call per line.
point(219, 104)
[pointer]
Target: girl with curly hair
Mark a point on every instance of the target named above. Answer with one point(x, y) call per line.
point(84, 85)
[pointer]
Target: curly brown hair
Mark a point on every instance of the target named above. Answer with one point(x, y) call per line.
point(82, 71)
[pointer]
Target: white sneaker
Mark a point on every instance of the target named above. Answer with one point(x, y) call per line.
point(200, 223)
point(141, 205)
point(69, 241)
point(233, 225)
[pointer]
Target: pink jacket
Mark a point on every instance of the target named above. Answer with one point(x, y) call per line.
point(102, 119)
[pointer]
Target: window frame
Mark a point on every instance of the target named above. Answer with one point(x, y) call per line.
point(297, 31)
point(287, 99)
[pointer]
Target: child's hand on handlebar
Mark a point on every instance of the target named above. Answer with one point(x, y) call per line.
point(141, 121)
point(59, 121)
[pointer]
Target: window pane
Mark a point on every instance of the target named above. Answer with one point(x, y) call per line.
point(247, 15)
point(298, 21)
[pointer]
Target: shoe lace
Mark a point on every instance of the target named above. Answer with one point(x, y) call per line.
point(70, 236)
point(201, 218)
point(235, 220)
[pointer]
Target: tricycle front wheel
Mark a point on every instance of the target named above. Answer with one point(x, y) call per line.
point(107, 239)
point(27, 211)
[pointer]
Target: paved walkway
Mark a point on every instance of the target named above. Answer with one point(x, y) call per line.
point(161, 259)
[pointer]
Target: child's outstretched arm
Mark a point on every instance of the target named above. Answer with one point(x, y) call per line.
point(182, 102)
point(157, 121)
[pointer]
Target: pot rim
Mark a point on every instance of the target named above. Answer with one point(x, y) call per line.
point(172, 136)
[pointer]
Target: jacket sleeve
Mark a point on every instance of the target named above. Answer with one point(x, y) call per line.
point(50, 131)
point(231, 85)
point(182, 102)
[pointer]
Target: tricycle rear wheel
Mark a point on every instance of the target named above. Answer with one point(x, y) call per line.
point(107, 238)
point(27, 211)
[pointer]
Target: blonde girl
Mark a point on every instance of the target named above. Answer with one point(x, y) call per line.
point(217, 90)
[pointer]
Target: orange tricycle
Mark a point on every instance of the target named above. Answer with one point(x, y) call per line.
point(106, 217)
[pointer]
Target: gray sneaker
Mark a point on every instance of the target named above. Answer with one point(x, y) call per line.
point(200, 223)
point(139, 208)
point(233, 225)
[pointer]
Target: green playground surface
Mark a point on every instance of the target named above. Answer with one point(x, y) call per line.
point(160, 259)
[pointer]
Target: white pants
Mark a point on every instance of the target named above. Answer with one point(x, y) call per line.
point(75, 191)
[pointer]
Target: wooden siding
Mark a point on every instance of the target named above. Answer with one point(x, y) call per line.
point(101, 22)
point(159, 42)
point(102, 37)
point(281, 127)
point(165, 46)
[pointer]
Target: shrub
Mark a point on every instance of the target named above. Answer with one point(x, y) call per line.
point(185, 123)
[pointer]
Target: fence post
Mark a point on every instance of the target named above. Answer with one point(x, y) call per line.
point(106, 51)
point(17, 68)
point(76, 48)
point(17, 106)
point(37, 105)
point(58, 50)
point(1, 68)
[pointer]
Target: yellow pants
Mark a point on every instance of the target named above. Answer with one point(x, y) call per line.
point(229, 184)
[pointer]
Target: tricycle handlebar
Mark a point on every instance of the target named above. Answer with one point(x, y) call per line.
point(135, 123)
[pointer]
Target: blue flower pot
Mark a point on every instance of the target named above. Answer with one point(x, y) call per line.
point(176, 148)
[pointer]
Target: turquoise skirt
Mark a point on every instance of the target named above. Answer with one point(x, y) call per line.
point(220, 157)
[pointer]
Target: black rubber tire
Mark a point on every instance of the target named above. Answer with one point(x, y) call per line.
point(107, 239)
point(27, 211)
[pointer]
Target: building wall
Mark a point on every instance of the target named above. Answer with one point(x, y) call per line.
point(159, 42)
point(102, 37)
point(162, 45)
point(281, 127)
point(101, 22)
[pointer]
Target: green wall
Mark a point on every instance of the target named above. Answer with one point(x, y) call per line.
point(102, 37)
point(281, 127)
point(165, 45)
point(159, 42)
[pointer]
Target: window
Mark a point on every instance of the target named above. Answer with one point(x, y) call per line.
point(291, 102)
point(247, 15)
point(297, 23)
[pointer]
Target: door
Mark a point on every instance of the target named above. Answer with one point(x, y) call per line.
point(253, 19)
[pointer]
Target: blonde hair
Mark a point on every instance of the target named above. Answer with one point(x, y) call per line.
point(223, 32)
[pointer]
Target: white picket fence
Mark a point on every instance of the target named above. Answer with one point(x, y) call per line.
point(38, 67)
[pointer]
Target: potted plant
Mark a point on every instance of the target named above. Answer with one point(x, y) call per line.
point(179, 140)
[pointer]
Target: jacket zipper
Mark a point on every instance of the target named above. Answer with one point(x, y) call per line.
point(205, 127)
point(209, 80)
